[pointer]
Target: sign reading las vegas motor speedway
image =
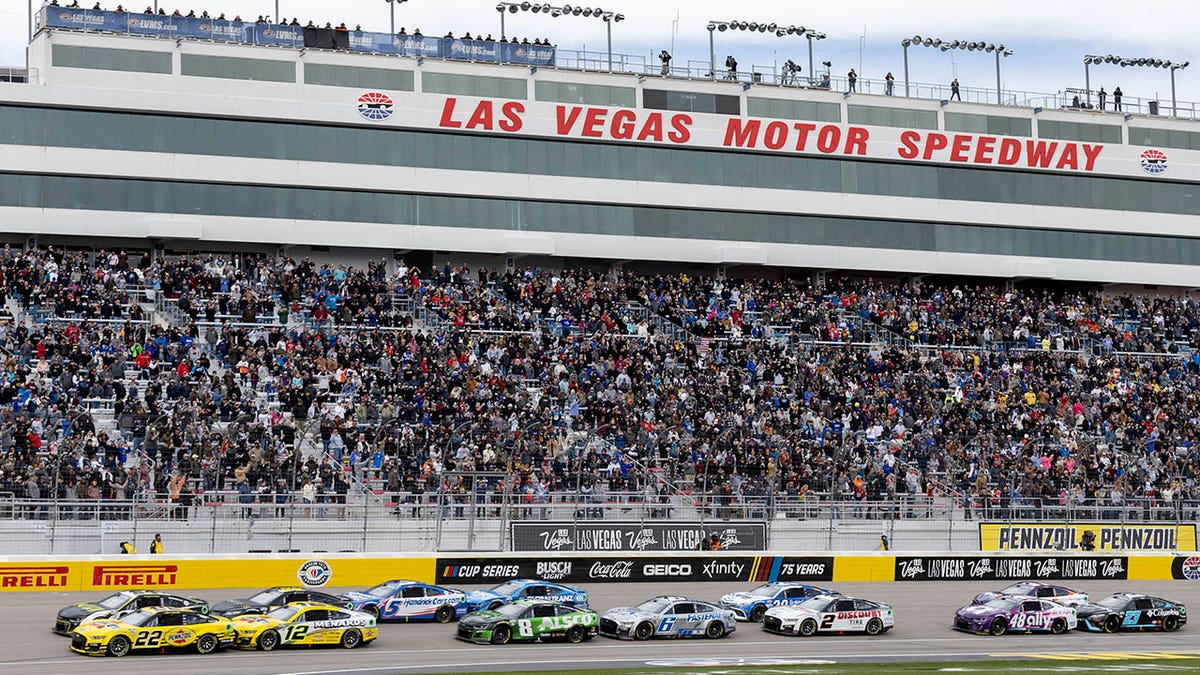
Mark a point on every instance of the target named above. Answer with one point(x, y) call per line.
point(644, 537)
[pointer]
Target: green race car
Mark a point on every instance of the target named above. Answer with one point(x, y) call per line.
point(528, 620)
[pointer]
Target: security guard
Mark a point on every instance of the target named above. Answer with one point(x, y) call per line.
point(156, 545)
point(127, 547)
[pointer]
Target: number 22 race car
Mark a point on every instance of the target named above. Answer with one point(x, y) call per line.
point(156, 628)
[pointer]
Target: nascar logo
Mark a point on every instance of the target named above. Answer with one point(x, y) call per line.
point(1153, 161)
point(1191, 568)
point(375, 106)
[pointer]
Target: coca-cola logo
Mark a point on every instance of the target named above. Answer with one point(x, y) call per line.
point(619, 569)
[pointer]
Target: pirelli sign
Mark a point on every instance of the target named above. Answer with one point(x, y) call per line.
point(1069, 536)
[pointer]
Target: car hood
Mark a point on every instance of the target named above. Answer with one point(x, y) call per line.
point(254, 621)
point(790, 612)
point(234, 605)
point(626, 614)
point(483, 617)
point(1088, 609)
point(986, 597)
point(80, 610)
point(979, 611)
point(101, 626)
point(358, 597)
point(739, 599)
point(476, 597)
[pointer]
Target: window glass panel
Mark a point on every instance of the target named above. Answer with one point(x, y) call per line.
point(589, 94)
point(358, 77)
point(473, 85)
point(691, 101)
point(232, 68)
point(101, 58)
point(793, 110)
point(891, 117)
point(988, 124)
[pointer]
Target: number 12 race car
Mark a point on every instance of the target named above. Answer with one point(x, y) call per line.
point(1015, 614)
point(1127, 611)
point(830, 614)
point(305, 623)
point(668, 616)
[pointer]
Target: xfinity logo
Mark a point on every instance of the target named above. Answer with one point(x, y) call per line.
point(717, 568)
point(667, 570)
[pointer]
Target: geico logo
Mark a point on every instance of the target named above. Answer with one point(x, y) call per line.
point(134, 575)
point(666, 570)
point(34, 576)
point(857, 615)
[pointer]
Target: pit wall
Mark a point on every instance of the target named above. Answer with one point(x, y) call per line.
point(80, 573)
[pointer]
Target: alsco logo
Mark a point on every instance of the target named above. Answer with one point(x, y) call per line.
point(134, 575)
point(33, 576)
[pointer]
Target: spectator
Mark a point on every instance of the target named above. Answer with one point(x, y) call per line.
point(954, 93)
point(851, 80)
point(889, 84)
point(156, 545)
point(1103, 96)
point(1117, 94)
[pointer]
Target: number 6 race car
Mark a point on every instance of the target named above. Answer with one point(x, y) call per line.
point(154, 628)
point(1015, 614)
point(830, 614)
point(528, 620)
point(1127, 611)
point(305, 623)
point(409, 601)
point(668, 616)
point(753, 604)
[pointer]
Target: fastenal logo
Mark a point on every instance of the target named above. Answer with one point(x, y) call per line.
point(33, 576)
point(1153, 161)
point(315, 573)
point(120, 576)
point(1191, 568)
point(375, 106)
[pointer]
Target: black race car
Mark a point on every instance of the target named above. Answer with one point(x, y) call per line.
point(1130, 611)
point(270, 598)
point(71, 616)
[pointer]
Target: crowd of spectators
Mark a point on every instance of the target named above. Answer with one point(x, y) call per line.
point(245, 378)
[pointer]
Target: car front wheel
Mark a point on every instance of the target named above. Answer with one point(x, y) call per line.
point(1112, 624)
point(268, 640)
point(644, 631)
point(1059, 626)
point(999, 627)
point(119, 646)
point(575, 634)
point(808, 628)
point(715, 630)
point(756, 614)
point(501, 635)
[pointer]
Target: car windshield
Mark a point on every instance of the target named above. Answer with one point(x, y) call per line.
point(817, 604)
point(1113, 602)
point(1001, 603)
point(264, 598)
point(114, 601)
point(512, 611)
point(136, 618)
point(383, 590)
point(507, 588)
point(765, 591)
point(655, 605)
point(1018, 589)
point(283, 613)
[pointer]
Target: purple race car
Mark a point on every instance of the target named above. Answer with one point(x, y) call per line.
point(1015, 614)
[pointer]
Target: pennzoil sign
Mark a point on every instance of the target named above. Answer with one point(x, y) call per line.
point(1067, 536)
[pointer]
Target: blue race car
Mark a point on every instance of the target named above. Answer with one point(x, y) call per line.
point(753, 604)
point(1131, 611)
point(399, 600)
point(526, 589)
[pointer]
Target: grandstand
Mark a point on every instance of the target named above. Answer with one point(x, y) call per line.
point(265, 284)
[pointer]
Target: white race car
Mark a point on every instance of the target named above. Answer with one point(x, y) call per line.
point(830, 614)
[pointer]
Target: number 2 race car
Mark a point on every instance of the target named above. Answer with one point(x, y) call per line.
point(409, 601)
point(830, 614)
point(305, 623)
point(1015, 614)
point(155, 628)
point(530, 621)
point(1127, 611)
point(753, 604)
point(668, 616)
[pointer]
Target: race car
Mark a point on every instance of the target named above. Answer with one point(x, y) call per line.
point(529, 621)
point(279, 596)
point(409, 601)
point(525, 589)
point(1033, 589)
point(157, 628)
point(668, 616)
point(1015, 614)
point(1129, 611)
point(830, 614)
point(72, 615)
point(305, 623)
point(751, 605)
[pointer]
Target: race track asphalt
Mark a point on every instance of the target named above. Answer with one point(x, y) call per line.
point(924, 611)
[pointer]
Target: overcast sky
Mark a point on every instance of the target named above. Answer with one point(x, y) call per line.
point(1049, 37)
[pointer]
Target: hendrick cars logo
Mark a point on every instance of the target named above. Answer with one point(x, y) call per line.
point(1153, 161)
point(33, 576)
point(375, 106)
point(314, 573)
point(121, 576)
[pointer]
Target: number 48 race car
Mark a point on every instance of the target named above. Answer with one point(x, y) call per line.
point(830, 614)
point(1015, 614)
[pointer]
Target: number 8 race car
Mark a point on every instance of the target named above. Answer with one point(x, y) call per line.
point(830, 614)
point(305, 623)
point(1015, 614)
point(528, 620)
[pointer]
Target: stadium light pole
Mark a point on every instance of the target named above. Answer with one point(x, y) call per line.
point(760, 27)
point(392, 6)
point(609, 18)
point(947, 45)
point(812, 35)
point(1092, 59)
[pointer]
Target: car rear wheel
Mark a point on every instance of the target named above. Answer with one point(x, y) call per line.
point(756, 614)
point(999, 627)
point(207, 644)
point(874, 627)
point(1170, 623)
point(714, 630)
point(1112, 624)
point(643, 631)
point(444, 614)
point(501, 635)
point(575, 634)
point(1059, 626)
point(268, 640)
point(119, 646)
point(351, 638)
point(372, 610)
point(808, 628)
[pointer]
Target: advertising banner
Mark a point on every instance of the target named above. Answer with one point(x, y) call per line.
point(989, 568)
point(634, 567)
point(649, 537)
point(1044, 536)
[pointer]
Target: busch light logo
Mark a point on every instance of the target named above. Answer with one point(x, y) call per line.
point(641, 540)
point(553, 570)
point(553, 541)
point(375, 106)
point(1153, 161)
point(912, 569)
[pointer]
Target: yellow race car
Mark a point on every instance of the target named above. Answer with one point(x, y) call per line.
point(153, 628)
point(305, 623)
